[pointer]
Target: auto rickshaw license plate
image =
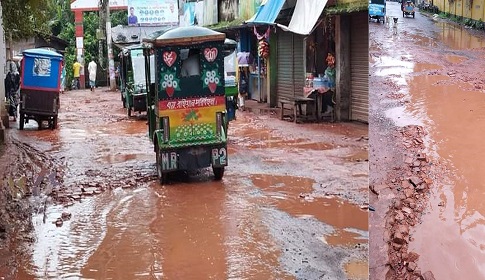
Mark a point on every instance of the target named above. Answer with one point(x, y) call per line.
point(219, 157)
point(169, 161)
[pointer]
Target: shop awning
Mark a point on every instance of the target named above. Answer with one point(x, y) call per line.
point(305, 16)
point(267, 12)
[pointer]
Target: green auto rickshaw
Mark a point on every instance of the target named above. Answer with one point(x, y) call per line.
point(187, 102)
point(132, 79)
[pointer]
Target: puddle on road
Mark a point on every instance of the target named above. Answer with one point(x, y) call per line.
point(457, 59)
point(345, 237)
point(458, 37)
point(125, 127)
point(357, 270)
point(421, 67)
point(211, 235)
point(391, 66)
point(119, 158)
point(293, 196)
point(458, 123)
point(358, 156)
point(268, 140)
point(403, 117)
point(64, 250)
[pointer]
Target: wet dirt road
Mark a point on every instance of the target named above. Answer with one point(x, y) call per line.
point(292, 203)
point(428, 87)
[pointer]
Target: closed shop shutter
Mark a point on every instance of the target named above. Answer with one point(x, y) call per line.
point(290, 72)
point(359, 66)
point(298, 65)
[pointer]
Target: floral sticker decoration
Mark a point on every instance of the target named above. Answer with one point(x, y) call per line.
point(211, 79)
point(170, 83)
point(210, 54)
point(169, 58)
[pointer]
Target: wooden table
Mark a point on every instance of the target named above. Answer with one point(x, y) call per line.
point(319, 93)
point(296, 105)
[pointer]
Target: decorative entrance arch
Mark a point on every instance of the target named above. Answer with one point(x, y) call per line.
point(79, 7)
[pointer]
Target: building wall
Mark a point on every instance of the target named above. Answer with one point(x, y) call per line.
point(461, 8)
point(3, 58)
point(247, 8)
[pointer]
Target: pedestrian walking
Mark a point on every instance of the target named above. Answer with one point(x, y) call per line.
point(76, 67)
point(92, 68)
point(63, 77)
point(12, 86)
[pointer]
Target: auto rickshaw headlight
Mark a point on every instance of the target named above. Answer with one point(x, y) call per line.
point(218, 123)
point(166, 129)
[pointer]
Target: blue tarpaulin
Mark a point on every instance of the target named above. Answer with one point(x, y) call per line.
point(267, 12)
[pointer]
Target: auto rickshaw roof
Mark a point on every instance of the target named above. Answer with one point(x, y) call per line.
point(230, 42)
point(41, 52)
point(187, 35)
point(133, 47)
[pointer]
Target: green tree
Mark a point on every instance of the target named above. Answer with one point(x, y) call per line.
point(22, 18)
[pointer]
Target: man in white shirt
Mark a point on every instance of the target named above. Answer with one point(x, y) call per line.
point(190, 66)
point(92, 67)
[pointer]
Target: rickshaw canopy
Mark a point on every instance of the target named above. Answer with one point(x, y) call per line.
point(41, 69)
point(186, 36)
point(42, 52)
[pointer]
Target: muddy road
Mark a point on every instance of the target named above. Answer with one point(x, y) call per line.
point(292, 203)
point(426, 130)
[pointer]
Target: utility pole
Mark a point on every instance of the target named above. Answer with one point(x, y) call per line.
point(111, 62)
point(101, 33)
point(105, 25)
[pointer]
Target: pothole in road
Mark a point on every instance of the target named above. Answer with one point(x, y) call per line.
point(262, 139)
point(357, 270)
point(293, 196)
point(119, 158)
point(359, 156)
point(457, 59)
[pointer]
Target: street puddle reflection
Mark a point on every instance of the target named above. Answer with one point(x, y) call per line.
point(64, 250)
point(457, 122)
point(457, 37)
point(390, 66)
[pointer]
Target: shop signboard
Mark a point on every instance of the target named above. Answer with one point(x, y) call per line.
point(152, 12)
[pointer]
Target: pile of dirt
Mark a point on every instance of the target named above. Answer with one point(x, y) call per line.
point(15, 210)
point(411, 196)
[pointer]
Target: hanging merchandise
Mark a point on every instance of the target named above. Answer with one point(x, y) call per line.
point(263, 45)
point(263, 48)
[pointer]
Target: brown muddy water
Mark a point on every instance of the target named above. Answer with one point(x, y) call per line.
point(456, 122)
point(275, 215)
point(432, 73)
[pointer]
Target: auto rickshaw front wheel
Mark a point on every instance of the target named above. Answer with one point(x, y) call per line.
point(218, 172)
point(21, 121)
point(54, 123)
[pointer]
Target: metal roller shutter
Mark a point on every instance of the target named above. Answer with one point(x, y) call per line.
point(290, 72)
point(298, 65)
point(284, 85)
point(359, 65)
